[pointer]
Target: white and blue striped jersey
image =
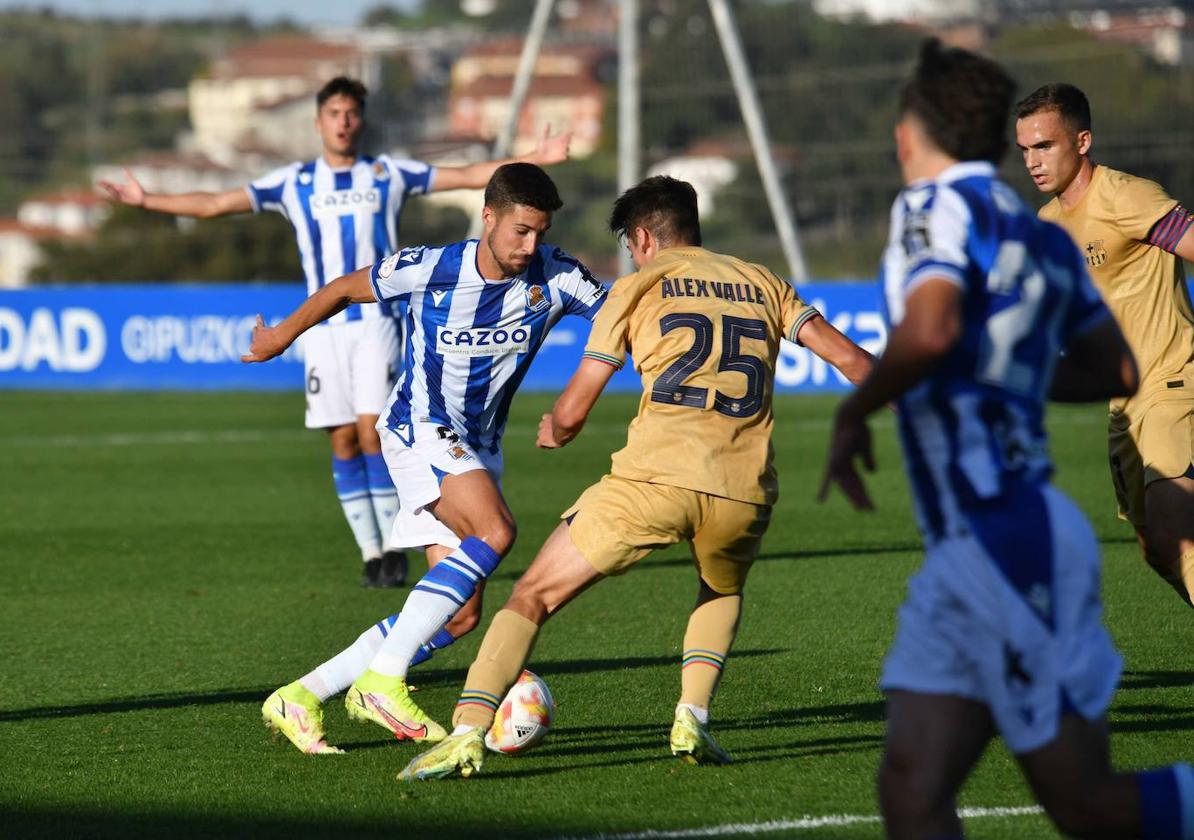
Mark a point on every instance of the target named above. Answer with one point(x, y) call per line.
point(344, 219)
point(469, 341)
point(974, 429)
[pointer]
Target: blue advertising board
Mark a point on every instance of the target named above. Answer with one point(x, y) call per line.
point(166, 337)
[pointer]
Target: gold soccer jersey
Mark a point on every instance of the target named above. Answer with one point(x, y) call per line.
point(704, 330)
point(1143, 285)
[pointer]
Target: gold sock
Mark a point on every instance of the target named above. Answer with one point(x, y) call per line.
point(711, 629)
point(504, 651)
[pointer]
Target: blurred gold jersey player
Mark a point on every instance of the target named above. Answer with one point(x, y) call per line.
point(704, 330)
point(1133, 236)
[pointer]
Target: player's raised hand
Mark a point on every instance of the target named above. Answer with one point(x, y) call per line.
point(267, 342)
point(552, 149)
point(851, 439)
point(547, 434)
point(131, 192)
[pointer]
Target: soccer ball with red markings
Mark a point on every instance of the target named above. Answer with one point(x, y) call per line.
point(523, 718)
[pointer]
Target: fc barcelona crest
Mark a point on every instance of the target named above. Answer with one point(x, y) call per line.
point(536, 300)
point(1095, 253)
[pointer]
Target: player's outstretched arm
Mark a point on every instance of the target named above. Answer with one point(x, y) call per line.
point(824, 339)
point(269, 342)
point(572, 409)
point(931, 327)
point(201, 205)
point(551, 150)
point(1097, 365)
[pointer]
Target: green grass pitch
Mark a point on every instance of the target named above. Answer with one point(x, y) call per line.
point(166, 560)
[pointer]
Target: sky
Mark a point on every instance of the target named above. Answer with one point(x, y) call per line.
point(311, 12)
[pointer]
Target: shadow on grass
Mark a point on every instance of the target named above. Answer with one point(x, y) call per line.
point(69, 822)
point(257, 695)
point(1156, 679)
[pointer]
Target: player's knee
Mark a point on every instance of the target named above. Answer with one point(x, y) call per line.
point(499, 534)
point(907, 787)
point(1076, 813)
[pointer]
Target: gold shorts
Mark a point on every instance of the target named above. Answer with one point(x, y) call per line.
point(619, 522)
point(1147, 443)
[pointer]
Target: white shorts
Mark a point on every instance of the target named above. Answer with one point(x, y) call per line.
point(349, 370)
point(1011, 617)
point(419, 456)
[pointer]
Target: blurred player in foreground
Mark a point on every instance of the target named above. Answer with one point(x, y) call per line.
point(1133, 237)
point(478, 311)
point(344, 207)
point(704, 330)
point(1002, 627)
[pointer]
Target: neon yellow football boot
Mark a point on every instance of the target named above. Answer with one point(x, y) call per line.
point(692, 742)
point(297, 714)
point(386, 701)
point(461, 755)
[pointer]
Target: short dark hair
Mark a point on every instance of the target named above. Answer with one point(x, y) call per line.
point(665, 206)
point(1066, 100)
point(354, 89)
point(522, 183)
point(962, 100)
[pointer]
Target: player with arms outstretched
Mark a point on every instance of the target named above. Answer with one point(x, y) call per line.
point(478, 311)
point(1001, 630)
point(704, 330)
point(1133, 237)
point(345, 207)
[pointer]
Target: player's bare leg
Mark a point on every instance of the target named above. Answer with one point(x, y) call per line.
point(933, 741)
point(1167, 537)
point(472, 506)
point(557, 575)
point(1072, 779)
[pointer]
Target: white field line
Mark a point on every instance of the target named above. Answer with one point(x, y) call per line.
point(201, 437)
point(805, 823)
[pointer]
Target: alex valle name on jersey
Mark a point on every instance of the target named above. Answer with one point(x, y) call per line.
point(692, 287)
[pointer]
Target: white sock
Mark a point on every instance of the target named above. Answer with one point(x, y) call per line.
point(437, 597)
point(701, 714)
point(338, 673)
point(382, 495)
point(353, 491)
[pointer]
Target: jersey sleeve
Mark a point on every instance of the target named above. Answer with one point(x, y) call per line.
point(794, 312)
point(415, 175)
point(265, 193)
point(1139, 205)
point(582, 293)
point(933, 237)
point(399, 275)
point(609, 340)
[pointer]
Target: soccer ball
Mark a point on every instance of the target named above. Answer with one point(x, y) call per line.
point(523, 718)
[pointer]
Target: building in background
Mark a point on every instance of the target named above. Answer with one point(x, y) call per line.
point(65, 215)
point(567, 92)
point(262, 94)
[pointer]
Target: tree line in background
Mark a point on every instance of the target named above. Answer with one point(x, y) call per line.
point(74, 92)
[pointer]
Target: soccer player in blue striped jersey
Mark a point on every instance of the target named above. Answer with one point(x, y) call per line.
point(1001, 631)
point(345, 207)
point(477, 313)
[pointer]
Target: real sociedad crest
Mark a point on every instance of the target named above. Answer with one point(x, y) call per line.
point(536, 300)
